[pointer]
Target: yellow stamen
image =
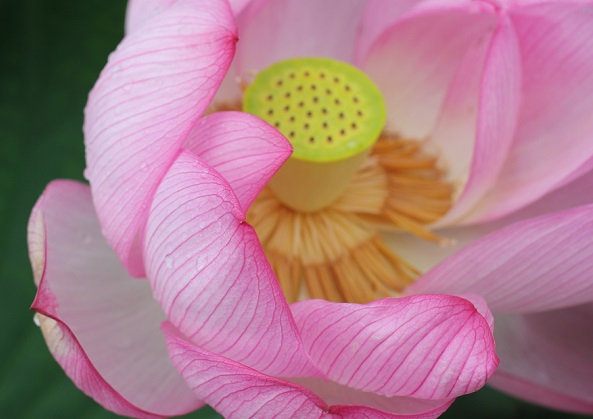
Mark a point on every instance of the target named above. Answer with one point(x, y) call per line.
point(336, 252)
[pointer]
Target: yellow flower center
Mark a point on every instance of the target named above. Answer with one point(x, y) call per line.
point(319, 219)
point(331, 112)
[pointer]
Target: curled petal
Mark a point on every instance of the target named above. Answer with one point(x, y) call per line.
point(237, 391)
point(155, 86)
point(481, 108)
point(101, 325)
point(414, 61)
point(554, 131)
point(245, 150)
point(430, 347)
point(539, 264)
point(209, 272)
point(546, 357)
point(342, 399)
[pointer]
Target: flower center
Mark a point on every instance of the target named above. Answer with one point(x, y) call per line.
point(331, 112)
point(320, 218)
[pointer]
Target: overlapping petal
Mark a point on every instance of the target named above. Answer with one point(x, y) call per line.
point(481, 108)
point(313, 29)
point(245, 150)
point(416, 58)
point(430, 347)
point(341, 397)
point(155, 86)
point(538, 264)
point(555, 128)
point(208, 271)
point(101, 325)
point(547, 358)
point(237, 391)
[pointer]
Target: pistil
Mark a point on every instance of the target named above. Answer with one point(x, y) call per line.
point(332, 114)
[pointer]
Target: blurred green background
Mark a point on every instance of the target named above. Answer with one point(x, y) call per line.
point(51, 52)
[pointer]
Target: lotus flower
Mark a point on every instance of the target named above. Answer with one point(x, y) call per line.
point(476, 96)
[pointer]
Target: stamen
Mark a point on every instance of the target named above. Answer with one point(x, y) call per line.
point(336, 253)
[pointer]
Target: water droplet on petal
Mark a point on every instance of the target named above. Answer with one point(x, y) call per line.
point(37, 320)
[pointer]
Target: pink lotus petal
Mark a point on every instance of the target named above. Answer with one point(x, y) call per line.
point(430, 347)
point(482, 108)
point(555, 126)
point(245, 150)
point(539, 264)
point(414, 61)
point(341, 398)
point(153, 89)
point(237, 391)
point(239, 5)
point(208, 271)
point(139, 11)
point(378, 16)
point(104, 325)
point(547, 358)
point(425, 255)
point(274, 30)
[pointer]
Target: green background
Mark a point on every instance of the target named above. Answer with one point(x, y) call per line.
point(51, 52)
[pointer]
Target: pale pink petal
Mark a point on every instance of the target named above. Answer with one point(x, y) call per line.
point(153, 89)
point(378, 16)
point(245, 150)
point(424, 255)
point(338, 395)
point(481, 108)
point(538, 264)
point(274, 30)
point(209, 272)
point(555, 131)
point(547, 358)
point(430, 347)
point(239, 5)
point(140, 11)
point(415, 60)
point(104, 325)
point(237, 391)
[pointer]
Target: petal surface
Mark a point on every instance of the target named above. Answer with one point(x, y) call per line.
point(339, 395)
point(209, 272)
point(555, 127)
point(414, 61)
point(245, 150)
point(480, 114)
point(429, 347)
point(101, 325)
point(237, 391)
point(546, 357)
point(538, 264)
point(153, 89)
point(139, 11)
point(274, 30)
